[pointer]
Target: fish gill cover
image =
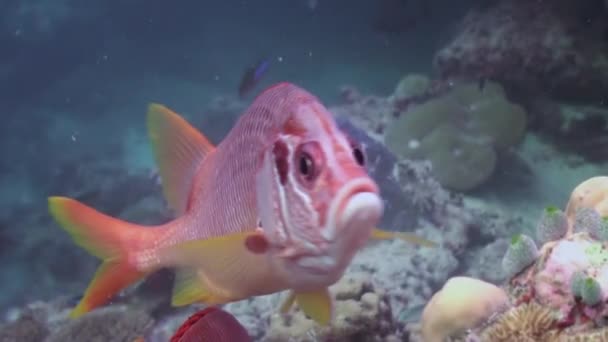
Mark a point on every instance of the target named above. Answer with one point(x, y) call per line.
point(479, 121)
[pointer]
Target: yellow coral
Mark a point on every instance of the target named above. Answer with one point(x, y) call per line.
point(461, 304)
point(592, 193)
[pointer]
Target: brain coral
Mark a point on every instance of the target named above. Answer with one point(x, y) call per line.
point(459, 132)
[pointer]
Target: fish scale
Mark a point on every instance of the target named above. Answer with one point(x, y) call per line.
point(226, 203)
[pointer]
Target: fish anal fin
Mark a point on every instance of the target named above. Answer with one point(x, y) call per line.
point(378, 234)
point(317, 305)
point(190, 288)
point(179, 149)
point(111, 277)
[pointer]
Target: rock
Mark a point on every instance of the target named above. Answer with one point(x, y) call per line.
point(114, 323)
point(360, 314)
point(24, 329)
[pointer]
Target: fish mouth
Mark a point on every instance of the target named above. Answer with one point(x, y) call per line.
point(357, 208)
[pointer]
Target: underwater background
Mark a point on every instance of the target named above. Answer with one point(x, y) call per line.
point(479, 119)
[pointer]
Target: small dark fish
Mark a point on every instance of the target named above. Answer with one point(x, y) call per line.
point(252, 77)
point(481, 83)
point(211, 325)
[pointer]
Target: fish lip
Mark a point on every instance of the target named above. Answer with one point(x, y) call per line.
point(362, 208)
point(317, 271)
point(336, 220)
point(318, 265)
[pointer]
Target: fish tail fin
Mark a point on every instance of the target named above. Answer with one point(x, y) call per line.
point(108, 238)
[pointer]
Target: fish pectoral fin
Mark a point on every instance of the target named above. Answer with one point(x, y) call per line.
point(317, 305)
point(378, 234)
point(223, 255)
point(214, 252)
point(179, 149)
point(189, 288)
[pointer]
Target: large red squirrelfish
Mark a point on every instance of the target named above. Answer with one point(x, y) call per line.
point(283, 202)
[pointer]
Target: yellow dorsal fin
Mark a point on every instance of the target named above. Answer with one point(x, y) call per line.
point(317, 305)
point(179, 150)
point(378, 234)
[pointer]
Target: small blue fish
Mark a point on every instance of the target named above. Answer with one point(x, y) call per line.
point(252, 76)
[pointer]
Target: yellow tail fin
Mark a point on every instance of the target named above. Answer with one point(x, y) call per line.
point(106, 238)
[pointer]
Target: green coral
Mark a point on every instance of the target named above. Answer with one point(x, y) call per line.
point(453, 159)
point(522, 252)
point(460, 133)
point(552, 225)
point(602, 234)
point(577, 281)
point(591, 292)
point(411, 85)
point(586, 288)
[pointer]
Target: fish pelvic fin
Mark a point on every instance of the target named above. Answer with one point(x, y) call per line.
point(378, 234)
point(189, 288)
point(179, 149)
point(317, 305)
point(107, 238)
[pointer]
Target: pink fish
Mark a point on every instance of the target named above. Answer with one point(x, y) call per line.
point(283, 202)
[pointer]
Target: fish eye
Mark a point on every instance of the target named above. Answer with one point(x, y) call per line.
point(359, 155)
point(308, 161)
point(306, 166)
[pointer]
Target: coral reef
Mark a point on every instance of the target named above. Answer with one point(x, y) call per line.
point(557, 292)
point(459, 132)
point(537, 46)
